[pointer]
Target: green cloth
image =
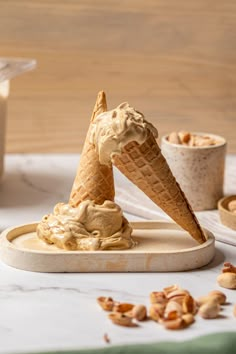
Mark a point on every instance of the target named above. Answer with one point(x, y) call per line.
point(217, 343)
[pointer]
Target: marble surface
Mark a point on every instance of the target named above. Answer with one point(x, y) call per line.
point(58, 311)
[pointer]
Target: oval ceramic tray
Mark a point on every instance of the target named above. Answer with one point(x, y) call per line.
point(162, 247)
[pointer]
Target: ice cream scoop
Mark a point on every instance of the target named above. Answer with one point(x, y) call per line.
point(89, 227)
point(114, 129)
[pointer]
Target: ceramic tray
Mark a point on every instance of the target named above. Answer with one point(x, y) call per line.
point(162, 247)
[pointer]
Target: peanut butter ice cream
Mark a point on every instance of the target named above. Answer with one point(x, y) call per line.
point(88, 227)
point(114, 129)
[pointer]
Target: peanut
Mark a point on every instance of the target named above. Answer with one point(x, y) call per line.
point(177, 323)
point(189, 305)
point(177, 295)
point(106, 338)
point(139, 312)
point(218, 295)
point(178, 292)
point(227, 280)
point(184, 137)
point(188, 319)
point(120, 319)
point(232, 205)
point(173, 138)
point(209, 310)
point(156, 312)
point(122, 307)
point(209, 298)
point(204, 141)
point(170, 289)
point(173, 310)
point(106, 303)
point(191, 141)
point(229, 268)
point(158, 297)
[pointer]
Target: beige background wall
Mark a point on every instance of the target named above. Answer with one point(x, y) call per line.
point(173, 60)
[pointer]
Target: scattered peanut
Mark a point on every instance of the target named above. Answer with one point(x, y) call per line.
point(177, 295)
point(188, 319)
point(189, 305)
point(177, 323)
point(201, 300)
point(106, 303)
point(177, 292)
point(156, 312)
point(173, 310)
point(227, 280)
point(106, 338)
point(173, 307)
point(229, 268)
point(209, 310)
point(218, 296)
point(212, 297)
point(170, 289)
point(139, 312)
point(120, 319)
point(122, 307)
point(158, 297)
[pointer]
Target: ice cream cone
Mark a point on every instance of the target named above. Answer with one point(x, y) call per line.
point(93, 181)
point(146, 167)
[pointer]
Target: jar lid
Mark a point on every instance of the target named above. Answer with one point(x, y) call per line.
point(11, 67)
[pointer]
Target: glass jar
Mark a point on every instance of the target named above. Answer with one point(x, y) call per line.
point(9, 68)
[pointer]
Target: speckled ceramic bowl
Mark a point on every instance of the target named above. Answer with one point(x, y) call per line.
point(227, 217)
point(199, 170)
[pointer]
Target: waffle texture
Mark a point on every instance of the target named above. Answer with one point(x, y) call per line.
point(146, 167)
point(93, 181)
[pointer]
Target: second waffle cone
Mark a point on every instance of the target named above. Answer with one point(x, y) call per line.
point(146, 167)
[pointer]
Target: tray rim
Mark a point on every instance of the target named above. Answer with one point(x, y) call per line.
point(4, 240)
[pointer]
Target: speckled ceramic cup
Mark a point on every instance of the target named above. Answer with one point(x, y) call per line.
point(199, 170)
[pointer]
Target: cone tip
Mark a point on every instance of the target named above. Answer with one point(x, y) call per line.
point(100, 105)
point(101, 96)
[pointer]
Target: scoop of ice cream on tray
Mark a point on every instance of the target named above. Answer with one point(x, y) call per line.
point(90, 233)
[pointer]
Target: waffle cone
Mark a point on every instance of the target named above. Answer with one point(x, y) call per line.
point(93, 181)
point(146, 167)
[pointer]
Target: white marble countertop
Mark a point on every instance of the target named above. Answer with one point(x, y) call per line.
point(59, 311)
